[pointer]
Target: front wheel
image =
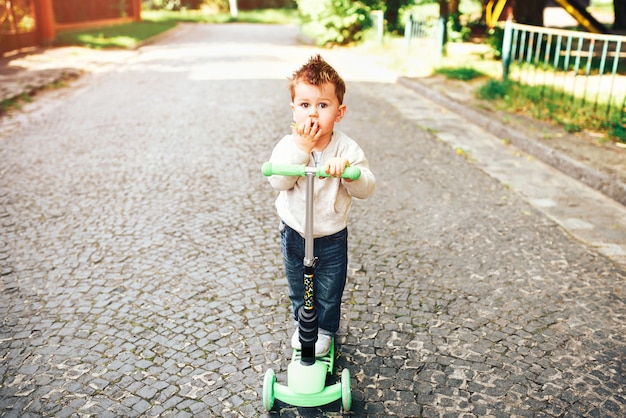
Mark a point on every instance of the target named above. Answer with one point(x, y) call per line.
point(268, 389)
point(346, 391)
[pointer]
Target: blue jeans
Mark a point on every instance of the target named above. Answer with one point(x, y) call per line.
point(330, 274)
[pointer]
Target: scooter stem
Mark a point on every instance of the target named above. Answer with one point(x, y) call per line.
point(309, 259)
point(307, 315)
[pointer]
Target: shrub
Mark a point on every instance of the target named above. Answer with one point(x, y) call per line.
point(617, 131)
point(334, 22)
point(492, 90)
point(461, 73)
point(495, 39)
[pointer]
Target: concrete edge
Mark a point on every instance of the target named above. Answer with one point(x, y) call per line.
point(54, 76)
point(608, 185)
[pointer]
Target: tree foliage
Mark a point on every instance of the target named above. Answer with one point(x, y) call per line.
point(184, 4)
point(164, 4)
point(393, 12)
point(620, 15)
point(338, 22)
point(529, 12)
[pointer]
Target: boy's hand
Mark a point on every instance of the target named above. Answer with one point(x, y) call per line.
point(336, 166)
point(306, 134)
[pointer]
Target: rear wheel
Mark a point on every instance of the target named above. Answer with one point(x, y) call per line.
point(346, 390)
point(268, 389)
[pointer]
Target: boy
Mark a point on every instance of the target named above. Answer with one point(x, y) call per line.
point(317, 104)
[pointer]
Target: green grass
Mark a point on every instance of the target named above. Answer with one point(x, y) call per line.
point(544, 103)
point(16, 103)
point(459, 73)
point(129, 35)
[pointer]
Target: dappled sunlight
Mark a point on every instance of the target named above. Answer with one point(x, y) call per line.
point(263, 54)
point(98, 40)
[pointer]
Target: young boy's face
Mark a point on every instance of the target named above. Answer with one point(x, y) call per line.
point(317, 107)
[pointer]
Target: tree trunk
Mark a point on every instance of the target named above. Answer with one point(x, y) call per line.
point(453, 6)
point(444, 12)
point(443, 8)
point(529, 12)
point(619, 7)
point(453, 10)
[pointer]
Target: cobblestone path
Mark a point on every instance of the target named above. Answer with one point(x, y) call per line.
point(141, 273)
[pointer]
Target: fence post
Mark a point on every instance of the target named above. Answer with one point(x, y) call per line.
point(136, 5)
point(46, 26)
point(441, 36)
point(506, 49)
point(408, 31)
point(379, 24)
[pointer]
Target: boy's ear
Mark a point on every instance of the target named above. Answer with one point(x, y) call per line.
point(340, 112)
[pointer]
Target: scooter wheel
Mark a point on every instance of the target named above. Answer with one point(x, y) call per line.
point(346, 391)
point(268, 389)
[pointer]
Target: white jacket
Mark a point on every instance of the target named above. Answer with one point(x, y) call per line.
point(332, 196)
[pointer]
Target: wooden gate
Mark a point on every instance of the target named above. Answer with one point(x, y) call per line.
point(18, 27)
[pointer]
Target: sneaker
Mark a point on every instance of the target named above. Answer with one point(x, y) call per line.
point(322, 346)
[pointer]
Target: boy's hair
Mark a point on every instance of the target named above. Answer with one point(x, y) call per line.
point(317, 72)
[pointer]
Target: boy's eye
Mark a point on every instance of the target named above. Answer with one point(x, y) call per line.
point(304, 105)
point(323, 105)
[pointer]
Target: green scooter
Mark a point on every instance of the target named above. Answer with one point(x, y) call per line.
point(306, 374)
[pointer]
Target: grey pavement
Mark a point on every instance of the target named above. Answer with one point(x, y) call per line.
point(141, 271)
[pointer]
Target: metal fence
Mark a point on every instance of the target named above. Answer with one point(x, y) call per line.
point(422, 30)
point(589, 68)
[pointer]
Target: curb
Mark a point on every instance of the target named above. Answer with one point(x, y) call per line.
point(606, 184)
point(44, 80)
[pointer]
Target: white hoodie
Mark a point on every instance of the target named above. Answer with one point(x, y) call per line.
point(332, 196)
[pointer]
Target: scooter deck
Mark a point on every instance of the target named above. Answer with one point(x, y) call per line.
point(307, 383)
point(328, 359)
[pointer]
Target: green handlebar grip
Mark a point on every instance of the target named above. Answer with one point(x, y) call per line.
point(352, 173)
point(289, 170)
point(293, 170)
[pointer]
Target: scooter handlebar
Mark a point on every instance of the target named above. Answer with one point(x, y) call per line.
point(294, 170)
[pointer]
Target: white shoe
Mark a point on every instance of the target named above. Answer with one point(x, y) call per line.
point(322, 346)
